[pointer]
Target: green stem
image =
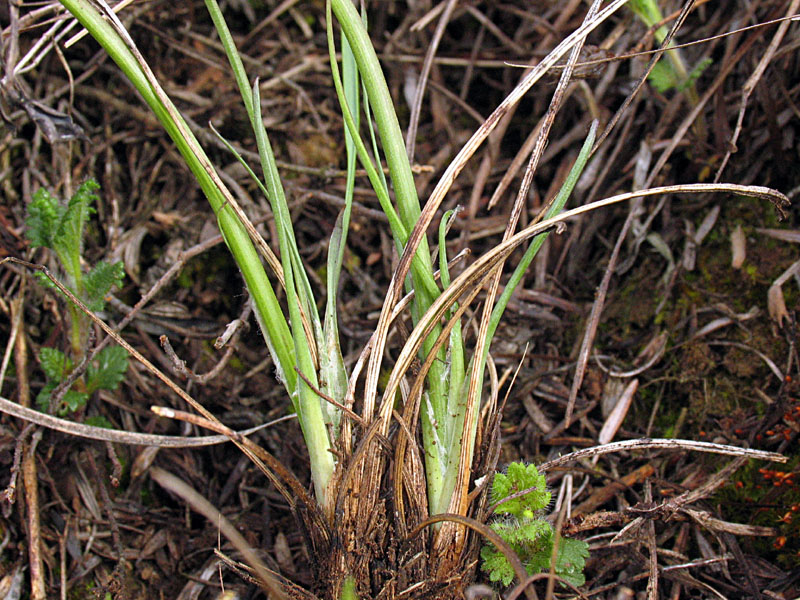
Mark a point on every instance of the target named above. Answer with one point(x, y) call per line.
point(266, 304)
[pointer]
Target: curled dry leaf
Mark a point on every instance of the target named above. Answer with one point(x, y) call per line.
point(618, 413)
point(776, 304)
point(143, 461)
point(129, 249)
point(738, 251)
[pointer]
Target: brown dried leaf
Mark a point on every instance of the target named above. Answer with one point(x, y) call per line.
point(776, 305)
point(738, 248)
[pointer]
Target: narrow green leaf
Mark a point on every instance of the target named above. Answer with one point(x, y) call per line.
point(68, 241)
point(349, 589)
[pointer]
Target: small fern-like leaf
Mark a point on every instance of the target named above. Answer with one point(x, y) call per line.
point(54, 364)
point(99, 281)
point(44, 217)
point(112, 362)
point(497, 565)
point(520, 477)
point(79, 210)
point(572, 555)
point(529, 535)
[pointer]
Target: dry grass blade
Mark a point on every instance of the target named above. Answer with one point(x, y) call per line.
point(30, 478)
point(91, 432)
point(270, 581)
point(447, 180)
point(477, 273)
point(419, 91)
point(645, 444)
point(450, 535)
point(753, 80)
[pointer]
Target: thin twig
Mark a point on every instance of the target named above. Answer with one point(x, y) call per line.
point(30, 480)
point(116, 435)
point(661, 444)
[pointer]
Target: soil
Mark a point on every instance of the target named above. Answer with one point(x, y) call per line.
point(714, 359)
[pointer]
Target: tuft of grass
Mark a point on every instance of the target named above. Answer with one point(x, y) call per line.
point(366, 475)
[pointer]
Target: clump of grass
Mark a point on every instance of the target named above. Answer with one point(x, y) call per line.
point(372, 483)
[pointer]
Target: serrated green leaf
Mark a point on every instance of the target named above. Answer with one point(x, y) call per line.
point(43, 397)
point(54, 364)
point(531, 537)
point(44, 280)
point(68, 240)
point(99, 281)
point(52, 225)
point(497, 565)
point(662, 77)
point(72, 401)
point(79, 210)
point(112, 362)
point(572, 555)
point(520, 477)
point(44, 217)
point(528, 534)
point(695, 73)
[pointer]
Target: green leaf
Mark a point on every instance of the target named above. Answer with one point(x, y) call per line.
point(695, 73)
point(572, 555)
point(72, 401)
point(646, 10)
point(44, 217)
point(54, 364)
point(526, 535)
point(46, 282)
point(112, 362)
point(99, 421)
point(497, 565)
point(79, 210)
point(99, 281)
point(60, 228)
point(531, 537)
point(43, 397)
point(349, 589)
point(520, 477)
point(662, 77)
